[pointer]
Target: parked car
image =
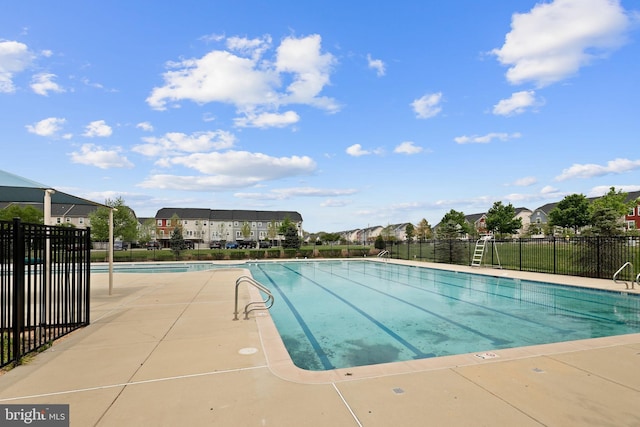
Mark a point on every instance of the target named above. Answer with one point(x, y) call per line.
point(188, 244)
point(231, 245)
point(265, 244)
point(119, 246)
point(153, 245)
point(215, 245)
point(246, 244)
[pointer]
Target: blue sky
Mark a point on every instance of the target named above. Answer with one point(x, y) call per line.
point(351, 114)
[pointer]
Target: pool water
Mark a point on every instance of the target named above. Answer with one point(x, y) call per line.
point(352, 313)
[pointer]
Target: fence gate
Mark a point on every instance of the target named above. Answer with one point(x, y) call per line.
point(44, 285)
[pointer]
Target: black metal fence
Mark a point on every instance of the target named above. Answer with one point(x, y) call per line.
point(44, 286)
point(597, 257)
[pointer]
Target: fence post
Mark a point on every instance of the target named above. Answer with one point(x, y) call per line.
point(555, 255)
point(87, 280)
point(18, 288)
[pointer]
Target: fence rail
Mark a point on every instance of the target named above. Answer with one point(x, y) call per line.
point(597, 257)
point(44, 286)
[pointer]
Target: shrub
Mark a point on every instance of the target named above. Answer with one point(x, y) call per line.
point(290, 253)
point(330, 253)
point(237, 255)
point(305, 253)
point(256, 254)
point(273, 253)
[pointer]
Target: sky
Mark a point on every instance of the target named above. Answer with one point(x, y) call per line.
point(353, 114)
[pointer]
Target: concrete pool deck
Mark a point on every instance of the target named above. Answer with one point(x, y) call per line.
point(163, 350)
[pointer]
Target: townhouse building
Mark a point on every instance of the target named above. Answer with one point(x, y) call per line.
point(214, 225)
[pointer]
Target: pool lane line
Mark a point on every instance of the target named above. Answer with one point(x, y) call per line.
point(324, 359)
point(419, 354)
point(561, 287)
point(565, 311)
point(501, 313)
point(495, 340)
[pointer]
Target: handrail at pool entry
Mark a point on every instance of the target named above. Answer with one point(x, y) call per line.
point(268, 302)
point(383, 253)
point(615, 275)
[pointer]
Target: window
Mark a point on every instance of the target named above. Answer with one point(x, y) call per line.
point(159, 223)
point(67, 219)
point(235, 224)
point(58, 221)
point(81, 221)
point(632, 211)
point(237, 234)
point(185, 222)
point(253, 225)
point(259, 224)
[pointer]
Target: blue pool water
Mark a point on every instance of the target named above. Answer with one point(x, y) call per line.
point(351, 313)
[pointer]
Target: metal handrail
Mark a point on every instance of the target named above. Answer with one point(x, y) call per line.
point(615, 275)
point(383, 253)
point(268, 303)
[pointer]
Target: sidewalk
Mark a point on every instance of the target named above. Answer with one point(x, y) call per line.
point(163, 350)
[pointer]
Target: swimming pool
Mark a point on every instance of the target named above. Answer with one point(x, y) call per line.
point(338, 314)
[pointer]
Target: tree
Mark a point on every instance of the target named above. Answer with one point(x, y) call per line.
point(26, 214)
point(424, 232)
point(246, 230)
point(330, 238)
point(571, 212)
point(502, 219)
point(453, 225)
point(409, 232)
point(147, 231)
point(125, 224)
point(272, 231)
point(290, 232)
point(177, 242)
point(607, 213)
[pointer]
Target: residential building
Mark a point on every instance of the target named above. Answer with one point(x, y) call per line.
point(211, 225)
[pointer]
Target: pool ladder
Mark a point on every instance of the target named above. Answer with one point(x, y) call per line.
point(633, 282)
point(255, 305)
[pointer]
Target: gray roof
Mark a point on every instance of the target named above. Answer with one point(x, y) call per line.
point(16, 189)
point(228, 215)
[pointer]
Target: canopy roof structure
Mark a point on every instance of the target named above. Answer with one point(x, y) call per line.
point(16, 189)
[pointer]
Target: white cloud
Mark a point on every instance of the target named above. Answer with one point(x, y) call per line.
point(98, 128)
point(356, 151)
point(15, 57)
point(517, 104)
point(145, 126)
point(555, 39)
point(267, 120)
point(548, 190)
point(427, 106)
point(310, 68)
point(173, 143)
point(254, 48)
point(246, 79)
point(335, 203)
point(232, 169)
point(408, 147)
point(46, 127)
point(376, 64)
point(485, 139)
point(288, 193)
point(591, 170)
point(43, 83)
point(94, 155)
point(601, 190)
point(526, 181)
